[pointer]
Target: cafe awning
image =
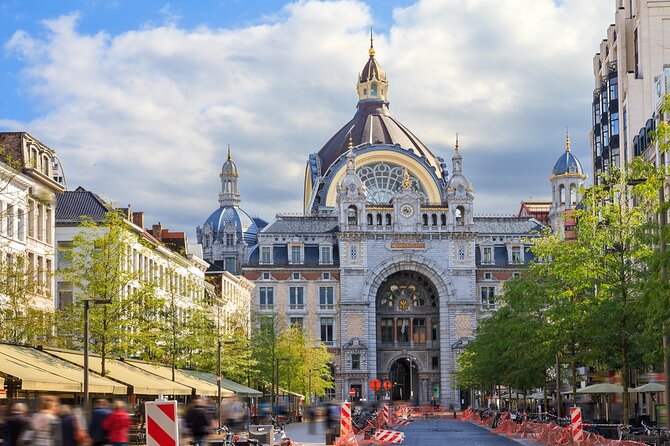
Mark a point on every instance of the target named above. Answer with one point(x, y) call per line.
point(58, 368)
point(200, 386)
point(237, 388)
point(142, 382)
point(35, 378)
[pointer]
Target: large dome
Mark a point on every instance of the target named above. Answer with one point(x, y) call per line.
point(242, 222)
point(567, 163)
point(373, 124)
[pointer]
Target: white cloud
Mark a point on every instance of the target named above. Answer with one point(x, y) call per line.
point(145, 116)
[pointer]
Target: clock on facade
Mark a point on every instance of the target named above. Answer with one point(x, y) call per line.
point(406, 210)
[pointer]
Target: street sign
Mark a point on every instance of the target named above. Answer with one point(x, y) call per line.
point(375, 385)
point(352, 392)
point(388, 385)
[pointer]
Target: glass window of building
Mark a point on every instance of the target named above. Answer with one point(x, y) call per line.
point(326, 255)
point(266, 254)
point(295, 254)
point(419, 330)
point(402, 330)
point(487, 255)
point(230, 239)
point(326, 297)
point(435, 362)
point(230, 265)
point(488, 296)
point(297, 322)
point(296, 298)
point(386, 330)
point(266, 297)
point(516, 254)
point(327, 330)
point(355, 361)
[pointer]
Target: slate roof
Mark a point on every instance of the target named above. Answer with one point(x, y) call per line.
point(301, 225)
point(568, 163)
point(280, 256)
point(507, 225)
point(73, 205)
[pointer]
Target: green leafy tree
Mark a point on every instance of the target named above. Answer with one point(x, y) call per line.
point(99, 266)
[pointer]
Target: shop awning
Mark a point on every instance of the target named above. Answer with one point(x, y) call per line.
point(63, 369)
point(142, 382)
point(237, 388)
point(35, 378)
point(200, 386)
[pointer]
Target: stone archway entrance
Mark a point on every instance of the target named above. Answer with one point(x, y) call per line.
point(408, 340)
point(405, 379)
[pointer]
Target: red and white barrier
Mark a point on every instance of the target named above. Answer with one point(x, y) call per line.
point(576, 424)
point(386, 414)
point(162, 424)
point(387, 436)
point(345, 420)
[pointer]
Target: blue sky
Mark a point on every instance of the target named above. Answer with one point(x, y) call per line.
point(141, 98)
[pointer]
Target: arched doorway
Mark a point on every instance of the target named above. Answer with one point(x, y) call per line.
point(408, 317)
point(405, 379)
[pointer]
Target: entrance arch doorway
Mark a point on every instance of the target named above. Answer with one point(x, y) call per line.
point(404, 375)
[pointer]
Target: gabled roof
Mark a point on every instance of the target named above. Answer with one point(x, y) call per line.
point(507, 225)
point(74, 206)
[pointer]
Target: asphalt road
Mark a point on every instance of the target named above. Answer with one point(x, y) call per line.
point(419, 433)
point(451, 432)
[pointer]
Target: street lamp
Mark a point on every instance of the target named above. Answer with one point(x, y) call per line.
point(411, 380)
point(87, 303)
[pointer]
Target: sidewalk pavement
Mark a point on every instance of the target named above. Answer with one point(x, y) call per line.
point(307, 433)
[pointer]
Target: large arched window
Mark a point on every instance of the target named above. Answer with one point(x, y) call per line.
point(383, 180)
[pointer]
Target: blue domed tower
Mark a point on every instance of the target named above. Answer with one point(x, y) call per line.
point(229, 233)
point(567, 180)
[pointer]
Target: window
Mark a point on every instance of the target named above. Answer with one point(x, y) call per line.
point(326, 255)
point(40, 222)
point(21, 222)
point(48, 265)
point(516, 275)
point(230, 265)
point(49, 225)
point(487, 255)
point(266, 297)
point(296, 298)
point(488, 296)
point(327, 330)
point(40, 273)
point(296, 251)
point(487, 276)
point(373, 90)
point(266, 254)
point(461, 252)
point(516, 254)
point(64, 294)
point(297, 322)
point(419, 330)
point(325, 276)
point(352, 218)
point(9, 212)
point(435, 362)
point(266, 276)
point(355, 361)
point(386, 330)
point(402, 330)
point(434, 331)
point(295, 276)
point(326, 297)
point(353, 252)
point(230, 239)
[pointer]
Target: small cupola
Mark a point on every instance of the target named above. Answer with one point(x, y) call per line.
point(372, 82)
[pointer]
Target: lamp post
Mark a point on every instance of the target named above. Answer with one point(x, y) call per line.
point(411, 380)
point(87, 303)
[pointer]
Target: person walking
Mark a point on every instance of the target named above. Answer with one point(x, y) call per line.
point(67, 426)
point(198, 422)
point(117, 424)
point(16, 423)
point(98, 414)
point(45, 424)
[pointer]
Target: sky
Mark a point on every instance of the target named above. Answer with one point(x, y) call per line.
point(141, 99)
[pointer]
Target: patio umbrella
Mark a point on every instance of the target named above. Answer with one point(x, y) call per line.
point(605, 389)
point(650, 387)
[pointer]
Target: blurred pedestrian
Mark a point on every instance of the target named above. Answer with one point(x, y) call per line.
point(17, 422)
point(67, 426)
point(45, 424)
point(117, 424)
point(234, 413)
point(198, 422)
point(98, 414)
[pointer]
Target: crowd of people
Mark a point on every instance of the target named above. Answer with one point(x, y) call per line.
point(55, 424)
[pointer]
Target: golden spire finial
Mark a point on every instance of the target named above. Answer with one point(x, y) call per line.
point(351, 143)
point(371, 51)
point(229, 157)
point(406, 182)
point(567, 140)
point(457, 145)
